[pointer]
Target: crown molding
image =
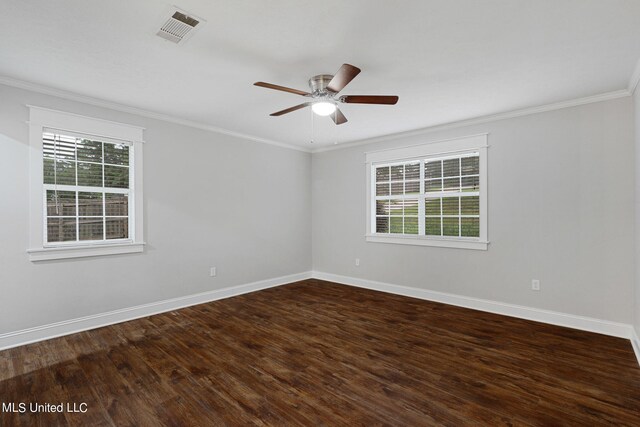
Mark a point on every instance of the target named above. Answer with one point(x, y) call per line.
point(21, 84)
point(635, 79)
point(482, 119)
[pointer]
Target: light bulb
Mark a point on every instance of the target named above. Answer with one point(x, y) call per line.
point(323, 108)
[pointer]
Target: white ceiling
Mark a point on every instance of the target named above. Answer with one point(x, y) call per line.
point(447, 60)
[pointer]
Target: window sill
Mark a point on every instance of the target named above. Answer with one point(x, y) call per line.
point(62, 252)
point(424, 241)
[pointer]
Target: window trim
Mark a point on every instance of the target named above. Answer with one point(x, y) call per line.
point(472, 143)
point(42, 118)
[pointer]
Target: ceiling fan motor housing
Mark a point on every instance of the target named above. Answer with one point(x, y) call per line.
point(319, 83)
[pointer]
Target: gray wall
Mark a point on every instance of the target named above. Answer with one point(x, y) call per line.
point(636, 99)
point(561, 209)
point(211, 200)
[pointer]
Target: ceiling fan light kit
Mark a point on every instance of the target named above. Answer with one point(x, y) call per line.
point(323, 91)
point(323, 108)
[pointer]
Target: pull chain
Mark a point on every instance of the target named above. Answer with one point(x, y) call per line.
point(312, 133)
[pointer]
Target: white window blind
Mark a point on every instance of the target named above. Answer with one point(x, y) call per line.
point(87, 190)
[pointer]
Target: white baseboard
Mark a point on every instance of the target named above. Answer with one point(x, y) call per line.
point(605, 327)
point(53, 330)
point(635, 343)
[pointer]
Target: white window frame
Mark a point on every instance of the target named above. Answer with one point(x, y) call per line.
point(44, 118)
point(457, 146)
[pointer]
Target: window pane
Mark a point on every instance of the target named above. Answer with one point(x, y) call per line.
point(396, 225)
point(117, 228)
point(433, 169)
point(395, 207)
point(89, 151)
point(451, 167)
point(90, 228)
point(450, 206)
point(382, 190)
point(451, 184)
point(89, 174)
point(470, 227)
point(412, 187)
point(470, 165)
point(47, 171)
point(397, 173)
point(432, 226)
point(61, 203)
point(412, 171)
point(433, 186)
point(116, 204)
point(89, 204)
point(116, 154)
point(64, 172)
point(382, 207)
point(397, 188)
point(382, 224)
point(61, 229)
point(470, 183)
point(432, 206)
point(411, 207)
point(116, 176)
point(382, 173)
point(411, 225)
point(470, 205)
point(450, 227)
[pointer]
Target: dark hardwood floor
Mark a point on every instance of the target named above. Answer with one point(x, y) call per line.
point(318, 353)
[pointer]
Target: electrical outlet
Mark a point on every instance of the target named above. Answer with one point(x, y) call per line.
point(535, 285)
point(213, 272)
point(357, 262)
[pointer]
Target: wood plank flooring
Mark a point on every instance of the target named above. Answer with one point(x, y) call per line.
point(318, 353)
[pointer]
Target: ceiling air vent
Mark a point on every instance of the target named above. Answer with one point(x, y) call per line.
point(178, 26)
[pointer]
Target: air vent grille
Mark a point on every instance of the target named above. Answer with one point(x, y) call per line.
point(177, 27)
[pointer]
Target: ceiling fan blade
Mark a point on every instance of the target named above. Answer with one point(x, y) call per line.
point(282, 88)
point(345, 74)
point(338, 117)
point(290, 109)
point(369, 99)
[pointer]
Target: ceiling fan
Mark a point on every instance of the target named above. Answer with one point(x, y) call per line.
point(324, 89)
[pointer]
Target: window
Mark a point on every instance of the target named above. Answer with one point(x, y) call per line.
point(432, 194)
point(86, 188)
point(86, 175)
